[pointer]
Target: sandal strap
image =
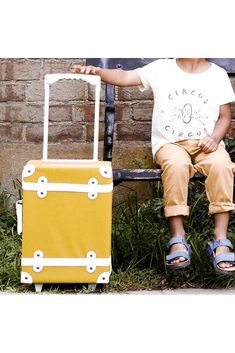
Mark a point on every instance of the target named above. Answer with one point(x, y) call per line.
point(176, 255)
point(178, 240)
point(214, 244)
point(226, 257)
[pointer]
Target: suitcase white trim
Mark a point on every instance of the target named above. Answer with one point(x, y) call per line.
point(90, 263)
point(27, 278)
point(42, 187)
point(105, 170)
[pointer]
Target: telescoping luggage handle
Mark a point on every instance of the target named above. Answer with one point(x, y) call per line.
point(93, 80)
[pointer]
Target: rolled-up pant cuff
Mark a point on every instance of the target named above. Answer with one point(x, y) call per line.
point(219, 207)
point(179, 210)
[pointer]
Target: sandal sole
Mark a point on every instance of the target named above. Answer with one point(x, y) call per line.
point(178, 266)
point(224, 272)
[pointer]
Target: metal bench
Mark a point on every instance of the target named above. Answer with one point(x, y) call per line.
point(124, 174)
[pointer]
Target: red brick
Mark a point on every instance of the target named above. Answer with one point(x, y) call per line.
point(123, 111)
point(20, 69)
point(73, 133)
point(133, 131)
point(53, 66)
point(11, 133)
point(60, 113)
point(64, 90)
point(57, 133)
point(86, 112)
point(68, 90)
point(90, 132)
point(59, 91)
point(232, 129)
point(132, 93)
point(123, 155)
point(12, 92)
point(91, 92)
point(233, 110)
point(143, 111)
point(71, 150)
point(21, 112)
point(35, 91)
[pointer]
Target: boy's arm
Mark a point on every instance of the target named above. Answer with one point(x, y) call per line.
point(210, 143)
point(116, 77)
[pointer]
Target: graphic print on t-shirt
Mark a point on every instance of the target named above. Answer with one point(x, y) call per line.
point(186, 115)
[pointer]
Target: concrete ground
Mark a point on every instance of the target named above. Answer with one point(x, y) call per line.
point(165, 292)
point(188, 291)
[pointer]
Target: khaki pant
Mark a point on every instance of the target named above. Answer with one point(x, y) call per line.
point(179, 161)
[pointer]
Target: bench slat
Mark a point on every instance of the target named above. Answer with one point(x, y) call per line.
point(120, 175)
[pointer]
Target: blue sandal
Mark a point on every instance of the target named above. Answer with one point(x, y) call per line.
point(187, 254)
point(226, 257)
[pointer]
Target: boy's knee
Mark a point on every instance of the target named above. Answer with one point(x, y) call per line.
point(220, 167)
point(177, 166)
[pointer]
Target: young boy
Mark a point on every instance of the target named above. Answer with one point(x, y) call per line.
point(191, 116)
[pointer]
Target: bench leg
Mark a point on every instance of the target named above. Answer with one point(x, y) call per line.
point(38, 287)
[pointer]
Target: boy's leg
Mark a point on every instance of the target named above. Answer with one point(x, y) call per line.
point(218, 169)
point(177, 228)
point(220, 232)
point(221, 225)
point(177, 169)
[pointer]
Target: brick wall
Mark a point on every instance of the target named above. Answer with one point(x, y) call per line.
point(71, 115)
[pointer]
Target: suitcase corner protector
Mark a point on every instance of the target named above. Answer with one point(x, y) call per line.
point(26, 278)
point(28, 170)
point(103, 277)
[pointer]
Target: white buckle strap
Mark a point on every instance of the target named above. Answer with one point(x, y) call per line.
point(92, 188)
point(38, 262)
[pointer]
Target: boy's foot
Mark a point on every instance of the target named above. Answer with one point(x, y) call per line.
point(224, 250)
point(180, 253)
point(175, 248)
point(222, 258)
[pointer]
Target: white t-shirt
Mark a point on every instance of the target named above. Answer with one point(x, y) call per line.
point(186, 105)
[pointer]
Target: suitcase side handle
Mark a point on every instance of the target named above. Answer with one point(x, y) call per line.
point(93, 80)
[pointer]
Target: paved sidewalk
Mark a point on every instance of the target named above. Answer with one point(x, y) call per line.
point(188, 291)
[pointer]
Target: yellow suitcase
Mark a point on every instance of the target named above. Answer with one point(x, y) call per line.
point(67, 212)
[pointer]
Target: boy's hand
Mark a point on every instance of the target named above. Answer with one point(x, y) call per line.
point(208, 144)
point(79, 69)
